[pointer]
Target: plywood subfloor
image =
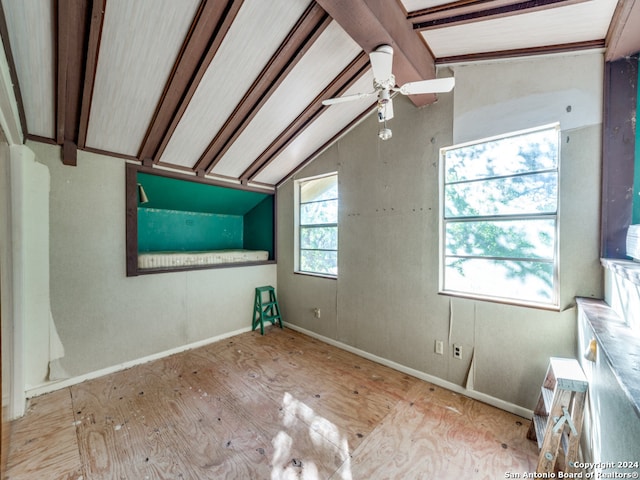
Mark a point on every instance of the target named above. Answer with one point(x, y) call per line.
point(282, 406)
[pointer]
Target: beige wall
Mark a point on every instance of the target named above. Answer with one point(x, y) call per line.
point(6, 287)
point(105, 319)
point(385, 301)
point(25, 270)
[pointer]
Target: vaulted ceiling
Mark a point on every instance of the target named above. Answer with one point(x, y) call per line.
point(232, 89)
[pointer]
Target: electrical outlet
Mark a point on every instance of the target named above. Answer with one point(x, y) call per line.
point(439, 348)
point(457, 352)
point(316, 312)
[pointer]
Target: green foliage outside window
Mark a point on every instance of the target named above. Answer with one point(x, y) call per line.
point(318, 225)
point(500, 206)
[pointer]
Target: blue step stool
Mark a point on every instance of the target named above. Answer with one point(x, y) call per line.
point(265, 309)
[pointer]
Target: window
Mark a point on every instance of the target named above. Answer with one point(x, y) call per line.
point(317, 221)
point(499, 218)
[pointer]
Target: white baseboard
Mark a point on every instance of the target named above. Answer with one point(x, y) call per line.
point(482, 397)
point(34, 391)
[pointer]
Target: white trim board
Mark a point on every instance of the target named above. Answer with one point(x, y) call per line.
point(482, 397)
point(67, 382)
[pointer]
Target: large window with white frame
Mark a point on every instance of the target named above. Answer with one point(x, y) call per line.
point(317, 225)
point(499, 218)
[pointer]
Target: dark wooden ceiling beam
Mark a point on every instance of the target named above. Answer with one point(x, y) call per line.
point(320, 149)
point(306, 31)
point(72, 19)
point(14, 135)
point(233, 6)
point(90, 65)
point(207, 31)
point(523, 52)
point(358, 67)
point(623, 37)
point(375, 22)
point(465, 12)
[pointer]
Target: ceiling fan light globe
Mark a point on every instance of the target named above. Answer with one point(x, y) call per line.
point(385, 133)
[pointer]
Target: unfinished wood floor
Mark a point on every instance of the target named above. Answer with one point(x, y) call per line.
point(282, 406)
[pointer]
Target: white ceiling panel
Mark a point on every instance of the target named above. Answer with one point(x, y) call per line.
point(140, 43)
point(31, 38)
point(574, 23)
point(256, 34)
point(329, 124)
point(327, 57)
point(414, 5)
point(250, 74)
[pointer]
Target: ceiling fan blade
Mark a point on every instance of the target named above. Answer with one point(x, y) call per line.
point(381, 63)
point(437, 85)
point(347, 98)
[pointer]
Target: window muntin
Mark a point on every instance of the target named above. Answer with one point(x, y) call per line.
point(499, 216)
point(318, 225)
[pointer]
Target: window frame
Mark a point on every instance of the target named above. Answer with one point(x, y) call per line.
point(299, 226)
point(554, 302)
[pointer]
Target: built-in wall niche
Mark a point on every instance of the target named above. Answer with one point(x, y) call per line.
point(177, 223)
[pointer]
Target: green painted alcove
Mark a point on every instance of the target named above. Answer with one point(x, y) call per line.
point(189, 196)
point(184, 215)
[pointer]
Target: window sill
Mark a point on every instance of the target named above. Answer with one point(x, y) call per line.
point(320, 275)
point(617, 343)
point(502, 301)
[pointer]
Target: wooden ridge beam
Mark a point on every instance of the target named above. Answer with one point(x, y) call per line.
point(372, 23)
point(306, 31)
point(347, 77)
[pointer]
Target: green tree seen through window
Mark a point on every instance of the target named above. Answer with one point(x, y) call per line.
point(500, 217)
point(318, 225)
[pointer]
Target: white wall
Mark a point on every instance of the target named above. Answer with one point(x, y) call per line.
point(6, 283)
point(32, 188)
point(105, 319)
point(385, 300)
point(12, 365)
point(496, 97)
point(25, 269)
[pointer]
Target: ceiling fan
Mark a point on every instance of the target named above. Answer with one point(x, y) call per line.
point(384, 83)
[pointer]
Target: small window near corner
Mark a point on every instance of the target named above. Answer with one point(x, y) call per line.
point(499, 218)
point(317, 225)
